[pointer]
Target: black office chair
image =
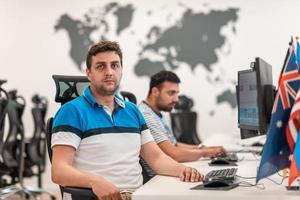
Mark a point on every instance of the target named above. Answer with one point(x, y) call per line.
point(35, 147)
point(68, 88)
point(12, 169)
point(13, 147)
point(3, 106)
point(184, 121)
point(128, 96)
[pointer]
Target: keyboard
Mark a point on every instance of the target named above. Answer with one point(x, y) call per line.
point(221, 174)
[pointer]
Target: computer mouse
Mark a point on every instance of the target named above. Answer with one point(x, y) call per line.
point(220, 155)
point(257, 144)
point(217, 183)
point(220, 161)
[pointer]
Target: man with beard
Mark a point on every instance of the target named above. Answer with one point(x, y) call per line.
point(97, 137)
point(162, 96)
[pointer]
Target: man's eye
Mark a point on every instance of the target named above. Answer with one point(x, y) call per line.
point(115, 65)
point(100, 66)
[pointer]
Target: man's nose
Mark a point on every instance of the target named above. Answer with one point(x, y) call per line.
point(175, 98)
point(109, 71)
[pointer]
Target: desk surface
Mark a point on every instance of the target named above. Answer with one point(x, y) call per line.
point(171, 188)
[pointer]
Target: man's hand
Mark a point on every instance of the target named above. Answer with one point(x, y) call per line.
point(213, 151)
point(189, 174)
point(105, 190)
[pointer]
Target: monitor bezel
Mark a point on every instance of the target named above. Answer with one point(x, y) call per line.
point(261, 89)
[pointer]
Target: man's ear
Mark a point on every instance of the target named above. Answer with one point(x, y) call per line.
point(87, 72)
point(155, 91)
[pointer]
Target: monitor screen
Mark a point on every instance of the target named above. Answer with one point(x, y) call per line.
point(248, 99)
point(255, 98)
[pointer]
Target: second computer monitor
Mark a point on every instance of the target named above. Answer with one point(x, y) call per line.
point(255, 98)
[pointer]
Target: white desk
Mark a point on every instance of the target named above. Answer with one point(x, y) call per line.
point(171, 188)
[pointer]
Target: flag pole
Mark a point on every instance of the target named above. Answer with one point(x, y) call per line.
point(287, 55)
point(298, 179)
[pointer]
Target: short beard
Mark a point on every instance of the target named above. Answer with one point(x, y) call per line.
point(164, 108)
point(104, 92)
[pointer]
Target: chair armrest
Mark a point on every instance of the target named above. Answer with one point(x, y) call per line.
point(78, 191)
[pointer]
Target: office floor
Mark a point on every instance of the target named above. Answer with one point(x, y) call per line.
point(48, 185)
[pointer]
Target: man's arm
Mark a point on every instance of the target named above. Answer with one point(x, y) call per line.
point(63, 173)
point(188, 146)
point(182, 154)
point(164, 165)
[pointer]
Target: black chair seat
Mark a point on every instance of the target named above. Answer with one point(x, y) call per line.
point(79, 193)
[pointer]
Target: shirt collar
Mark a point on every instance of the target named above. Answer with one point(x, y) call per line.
point(87, 94)
point(158, 113)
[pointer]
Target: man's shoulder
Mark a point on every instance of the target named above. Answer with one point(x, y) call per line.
point(78, 101)
point(72, 106)
point(145, 109)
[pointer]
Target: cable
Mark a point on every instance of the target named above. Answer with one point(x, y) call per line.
point(241, 159)
point(281, 175)
point(247, 184)
point(251, 177)
point(275, 181)
point(255, 156)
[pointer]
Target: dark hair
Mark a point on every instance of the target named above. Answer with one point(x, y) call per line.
point(103, 46)
point(159, 78)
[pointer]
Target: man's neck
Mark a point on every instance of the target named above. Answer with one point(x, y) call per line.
point(151, 102)
point(105, 100)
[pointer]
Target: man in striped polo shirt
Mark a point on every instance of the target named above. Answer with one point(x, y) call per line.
point(97, 137)
point(162, 96)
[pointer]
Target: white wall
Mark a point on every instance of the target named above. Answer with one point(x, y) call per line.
point(31, 51)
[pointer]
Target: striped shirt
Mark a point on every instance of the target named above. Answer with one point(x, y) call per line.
point(159, 130)
point(107, 144)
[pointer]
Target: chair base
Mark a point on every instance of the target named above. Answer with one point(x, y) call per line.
point(14, 190)
point(24, 192)
point(38, 191)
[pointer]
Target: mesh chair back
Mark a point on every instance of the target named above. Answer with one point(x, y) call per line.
point(128, 96)
point(39, 113)
point(36, 148)
point(69, 87)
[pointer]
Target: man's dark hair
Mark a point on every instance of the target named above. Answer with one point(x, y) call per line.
point(159, 78)
point(103, 46)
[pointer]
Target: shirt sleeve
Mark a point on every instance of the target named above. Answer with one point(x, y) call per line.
point(156, 127)
point(145, 133)
point(66, 129)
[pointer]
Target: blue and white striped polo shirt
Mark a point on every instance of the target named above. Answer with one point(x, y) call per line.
point(107, 144)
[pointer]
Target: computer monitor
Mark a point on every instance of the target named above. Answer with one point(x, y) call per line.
point(255, 98)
